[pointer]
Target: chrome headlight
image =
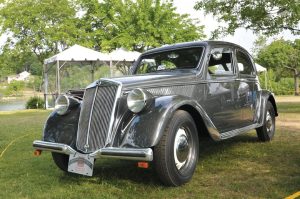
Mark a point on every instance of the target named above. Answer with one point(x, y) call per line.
point(138, 99)
point(62, 104)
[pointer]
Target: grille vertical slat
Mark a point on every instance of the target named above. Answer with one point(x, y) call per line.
point(100, 119)
point(84, 117)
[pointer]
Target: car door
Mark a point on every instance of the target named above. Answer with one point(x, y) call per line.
point(247, 89)
point(221, 94)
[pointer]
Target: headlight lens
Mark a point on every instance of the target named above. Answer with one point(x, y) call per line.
point(62, 104)
point(137, 100)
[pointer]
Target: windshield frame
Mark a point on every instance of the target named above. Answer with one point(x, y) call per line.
point(135, 65)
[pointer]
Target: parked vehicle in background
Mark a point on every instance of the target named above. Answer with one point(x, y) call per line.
point(175, 95)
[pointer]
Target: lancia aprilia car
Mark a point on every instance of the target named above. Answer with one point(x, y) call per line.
point(174, 95)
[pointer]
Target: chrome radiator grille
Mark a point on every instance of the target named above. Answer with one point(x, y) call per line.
point(95, 116)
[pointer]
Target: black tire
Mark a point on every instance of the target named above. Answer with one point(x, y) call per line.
point(266, 132)
point(177, 168)
point(61, 161)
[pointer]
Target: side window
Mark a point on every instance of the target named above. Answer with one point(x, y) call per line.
point(220, 62)
point(245, 65)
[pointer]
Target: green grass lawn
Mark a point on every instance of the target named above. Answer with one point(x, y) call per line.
point(240, 167)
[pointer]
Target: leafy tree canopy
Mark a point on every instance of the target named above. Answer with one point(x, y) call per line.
point(42, 27)
point(283, 57)
point(37, 29)
point(268, 16)
point(137, 25)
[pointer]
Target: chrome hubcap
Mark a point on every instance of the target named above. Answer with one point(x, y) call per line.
point(181, 148)
point(269, 122)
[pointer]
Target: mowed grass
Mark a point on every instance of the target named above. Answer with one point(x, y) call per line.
point(240, 167)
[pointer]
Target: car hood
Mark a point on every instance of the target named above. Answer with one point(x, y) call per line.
point(154, 80)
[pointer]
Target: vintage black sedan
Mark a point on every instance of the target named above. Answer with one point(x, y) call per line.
point(174, 96)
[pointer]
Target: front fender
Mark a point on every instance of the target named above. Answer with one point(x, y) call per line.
point(146, 128)
point(62, 128)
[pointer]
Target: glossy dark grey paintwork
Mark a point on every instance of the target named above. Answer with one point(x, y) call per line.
point(226, 105)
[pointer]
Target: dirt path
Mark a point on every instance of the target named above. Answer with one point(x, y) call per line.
point(287, 98)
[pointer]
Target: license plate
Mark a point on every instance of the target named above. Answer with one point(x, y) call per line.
point(81, 164)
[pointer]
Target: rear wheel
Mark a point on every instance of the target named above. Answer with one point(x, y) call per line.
point(176, 154)
point(266, 132)
point(61, 161)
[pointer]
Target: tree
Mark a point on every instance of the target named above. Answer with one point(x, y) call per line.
point(269, 16)
point(42, 27)
point(260, 43)
point(283, 57)
point(137, 25)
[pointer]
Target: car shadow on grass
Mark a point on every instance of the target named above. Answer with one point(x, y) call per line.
point(117, 172)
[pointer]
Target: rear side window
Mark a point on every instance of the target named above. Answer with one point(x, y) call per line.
point(244, 62)
point(220, 62)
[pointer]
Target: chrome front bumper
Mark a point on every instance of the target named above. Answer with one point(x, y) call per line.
point(142, 154)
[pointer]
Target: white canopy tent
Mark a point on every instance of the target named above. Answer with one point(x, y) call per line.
point(122, 56)
point(82, 55)
point(261, 69)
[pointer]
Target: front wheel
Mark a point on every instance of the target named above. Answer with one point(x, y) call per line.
point(176, 154)
point(61, 161)
point(266, 132)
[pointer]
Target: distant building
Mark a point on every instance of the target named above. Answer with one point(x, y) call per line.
point(23, 76)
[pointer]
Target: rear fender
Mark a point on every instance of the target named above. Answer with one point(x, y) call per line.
point(265, 97)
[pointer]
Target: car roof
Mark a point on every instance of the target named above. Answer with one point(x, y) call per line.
point(193, 44)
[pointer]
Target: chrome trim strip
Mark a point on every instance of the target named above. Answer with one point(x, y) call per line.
point(235, 132)
point(54, 147)
point(144, 154)
point(141, 154)
point(90, 117)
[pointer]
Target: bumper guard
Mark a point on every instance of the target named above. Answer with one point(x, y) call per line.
point(140, 154)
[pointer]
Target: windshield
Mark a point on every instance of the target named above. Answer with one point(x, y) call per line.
point(187, 58)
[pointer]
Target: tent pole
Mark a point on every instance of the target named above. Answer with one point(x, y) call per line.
point(57, 77)
point(46, 87)
point(110, 67)
point(93, 71)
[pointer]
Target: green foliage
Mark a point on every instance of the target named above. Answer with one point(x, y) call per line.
point(15, 88)
point(137, 25)
point(35, 83)
point(284, 86)
point(283, 57)
point(35, 103)
point(13, 61)
point(269, 16)
point(40, 27)
point(76, 76)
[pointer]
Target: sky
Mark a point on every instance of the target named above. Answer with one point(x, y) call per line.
point(243, 37)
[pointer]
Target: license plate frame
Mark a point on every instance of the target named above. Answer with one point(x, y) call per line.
point(81, 164)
